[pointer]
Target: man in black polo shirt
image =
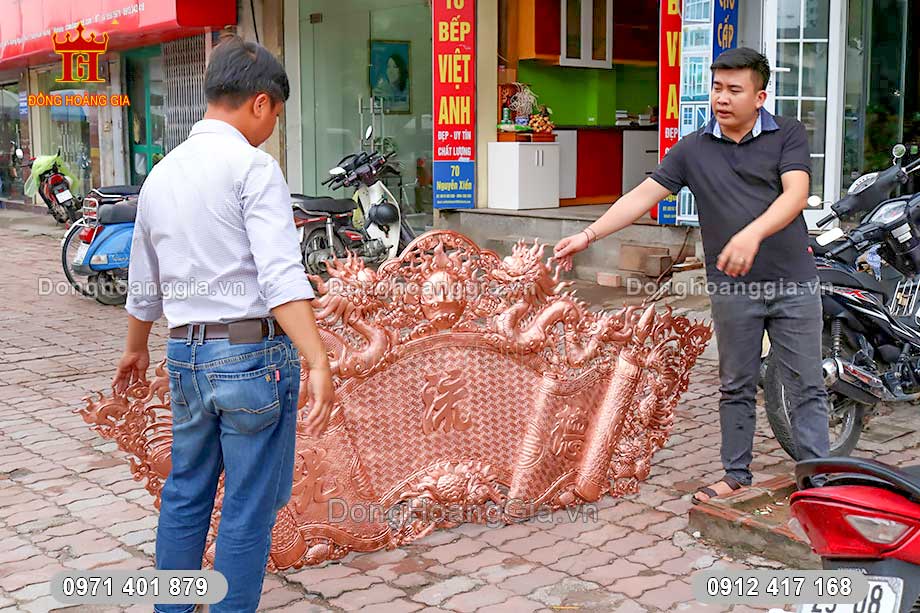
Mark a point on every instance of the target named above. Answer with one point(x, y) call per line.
point(749, 172)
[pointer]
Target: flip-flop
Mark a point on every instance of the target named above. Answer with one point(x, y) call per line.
point(730, 482)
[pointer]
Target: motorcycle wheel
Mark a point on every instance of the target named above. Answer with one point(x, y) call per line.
point(109, 289)
point(58, 212)
point(845, 416)
point(317, 240)
point(68, 251)
point(74, 210)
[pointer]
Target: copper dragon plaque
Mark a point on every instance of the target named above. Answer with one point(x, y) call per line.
point(470, 388)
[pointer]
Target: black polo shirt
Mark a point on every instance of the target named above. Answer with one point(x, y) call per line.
point(735, 183)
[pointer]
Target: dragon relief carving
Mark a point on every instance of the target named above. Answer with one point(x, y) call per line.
point(585, 398)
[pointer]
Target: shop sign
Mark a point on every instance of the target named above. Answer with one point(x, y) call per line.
point(668, 96)
point(27, 26)
point(80, 57)
point(724, 26)
point(454, 70)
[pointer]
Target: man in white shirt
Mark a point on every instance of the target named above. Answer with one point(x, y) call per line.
point(215, 251)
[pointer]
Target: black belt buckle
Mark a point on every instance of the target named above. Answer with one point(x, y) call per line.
point(249, 331)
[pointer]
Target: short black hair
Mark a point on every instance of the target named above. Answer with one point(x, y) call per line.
point(238, 70)
point(744, 57)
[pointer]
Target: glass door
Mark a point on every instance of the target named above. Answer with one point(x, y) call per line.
point(11, 129)
point(72, 129)
point(876, 51)
point(351, 53)
point(803, 41)
point(147, 113)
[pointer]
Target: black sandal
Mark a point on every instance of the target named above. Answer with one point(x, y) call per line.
point(729, 481)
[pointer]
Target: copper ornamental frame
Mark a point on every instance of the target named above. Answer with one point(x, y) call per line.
point(470, 388)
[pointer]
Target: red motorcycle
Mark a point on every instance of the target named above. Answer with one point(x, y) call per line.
point(50, 181)
point(866, 517)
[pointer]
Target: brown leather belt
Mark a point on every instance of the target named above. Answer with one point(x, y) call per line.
point(243, 331)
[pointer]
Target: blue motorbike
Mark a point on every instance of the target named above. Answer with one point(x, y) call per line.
point(96, 249)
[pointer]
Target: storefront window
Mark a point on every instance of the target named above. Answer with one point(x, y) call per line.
point(695, 76)
point(697, 10)
point(697, 38)
point(72, 129)
point(801, 69)
point(13, 122)
point(693, 117)
point(351, 55)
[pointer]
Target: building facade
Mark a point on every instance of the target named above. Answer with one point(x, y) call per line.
point(148, 59)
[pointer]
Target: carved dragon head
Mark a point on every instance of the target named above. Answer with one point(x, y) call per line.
point(527, 275)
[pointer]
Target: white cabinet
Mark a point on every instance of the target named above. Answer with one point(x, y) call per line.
point(523, 175)
point(640, 156)
point(568, 162)
point(587, 33)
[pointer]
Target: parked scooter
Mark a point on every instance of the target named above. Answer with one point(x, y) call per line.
point(96, 250)
point(871, 338)
point(866, 517)
point(326, 224)
point(53, 181)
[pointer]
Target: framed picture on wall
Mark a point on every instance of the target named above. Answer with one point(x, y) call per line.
point(389, 74)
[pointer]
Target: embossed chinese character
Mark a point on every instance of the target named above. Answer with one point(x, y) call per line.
point(440, 396)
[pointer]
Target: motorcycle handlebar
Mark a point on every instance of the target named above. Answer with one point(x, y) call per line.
point(827, 218)
point(838, 250)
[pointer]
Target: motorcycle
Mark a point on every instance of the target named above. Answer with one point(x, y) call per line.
point(96, 250)
point(865, 517)
point(871, 335)
point(326, 225)
point(52, 180)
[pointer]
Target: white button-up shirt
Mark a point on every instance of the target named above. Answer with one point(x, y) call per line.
point(214, 239)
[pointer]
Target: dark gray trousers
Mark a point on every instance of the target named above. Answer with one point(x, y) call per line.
point(791, 315)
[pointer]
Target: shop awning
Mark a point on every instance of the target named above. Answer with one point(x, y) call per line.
point(27, 26)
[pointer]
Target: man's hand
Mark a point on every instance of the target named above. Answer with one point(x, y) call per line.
point(737, 257)
point(322, 397)
point(131, 368)
point(566, 248)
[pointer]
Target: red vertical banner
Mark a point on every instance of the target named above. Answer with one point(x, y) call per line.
point(454, 166)
point(668, 95)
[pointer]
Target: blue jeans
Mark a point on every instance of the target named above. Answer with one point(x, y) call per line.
point(791, 314)
point(234, 410)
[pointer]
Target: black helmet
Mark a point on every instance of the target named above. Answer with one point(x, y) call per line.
point(383, 214)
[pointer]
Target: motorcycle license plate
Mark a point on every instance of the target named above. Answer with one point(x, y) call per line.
point(884, 597)
point(81, 253)
point(64, 196)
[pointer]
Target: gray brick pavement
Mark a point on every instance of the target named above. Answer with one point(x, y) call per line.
point(67, 499)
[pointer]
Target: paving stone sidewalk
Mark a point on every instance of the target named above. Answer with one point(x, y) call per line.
point(67, 499)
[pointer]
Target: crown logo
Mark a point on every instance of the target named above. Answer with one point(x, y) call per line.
point(80, 52)
point(91, 44)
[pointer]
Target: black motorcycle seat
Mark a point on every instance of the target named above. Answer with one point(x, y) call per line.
point(323, 204)
point(856, 280)
point(116, 213)
point(861, 471)
point(112, 191)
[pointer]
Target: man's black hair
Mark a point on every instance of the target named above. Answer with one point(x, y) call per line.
point(238, 70)
point(745, 57)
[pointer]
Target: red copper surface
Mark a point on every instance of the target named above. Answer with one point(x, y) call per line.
point(470, 388)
